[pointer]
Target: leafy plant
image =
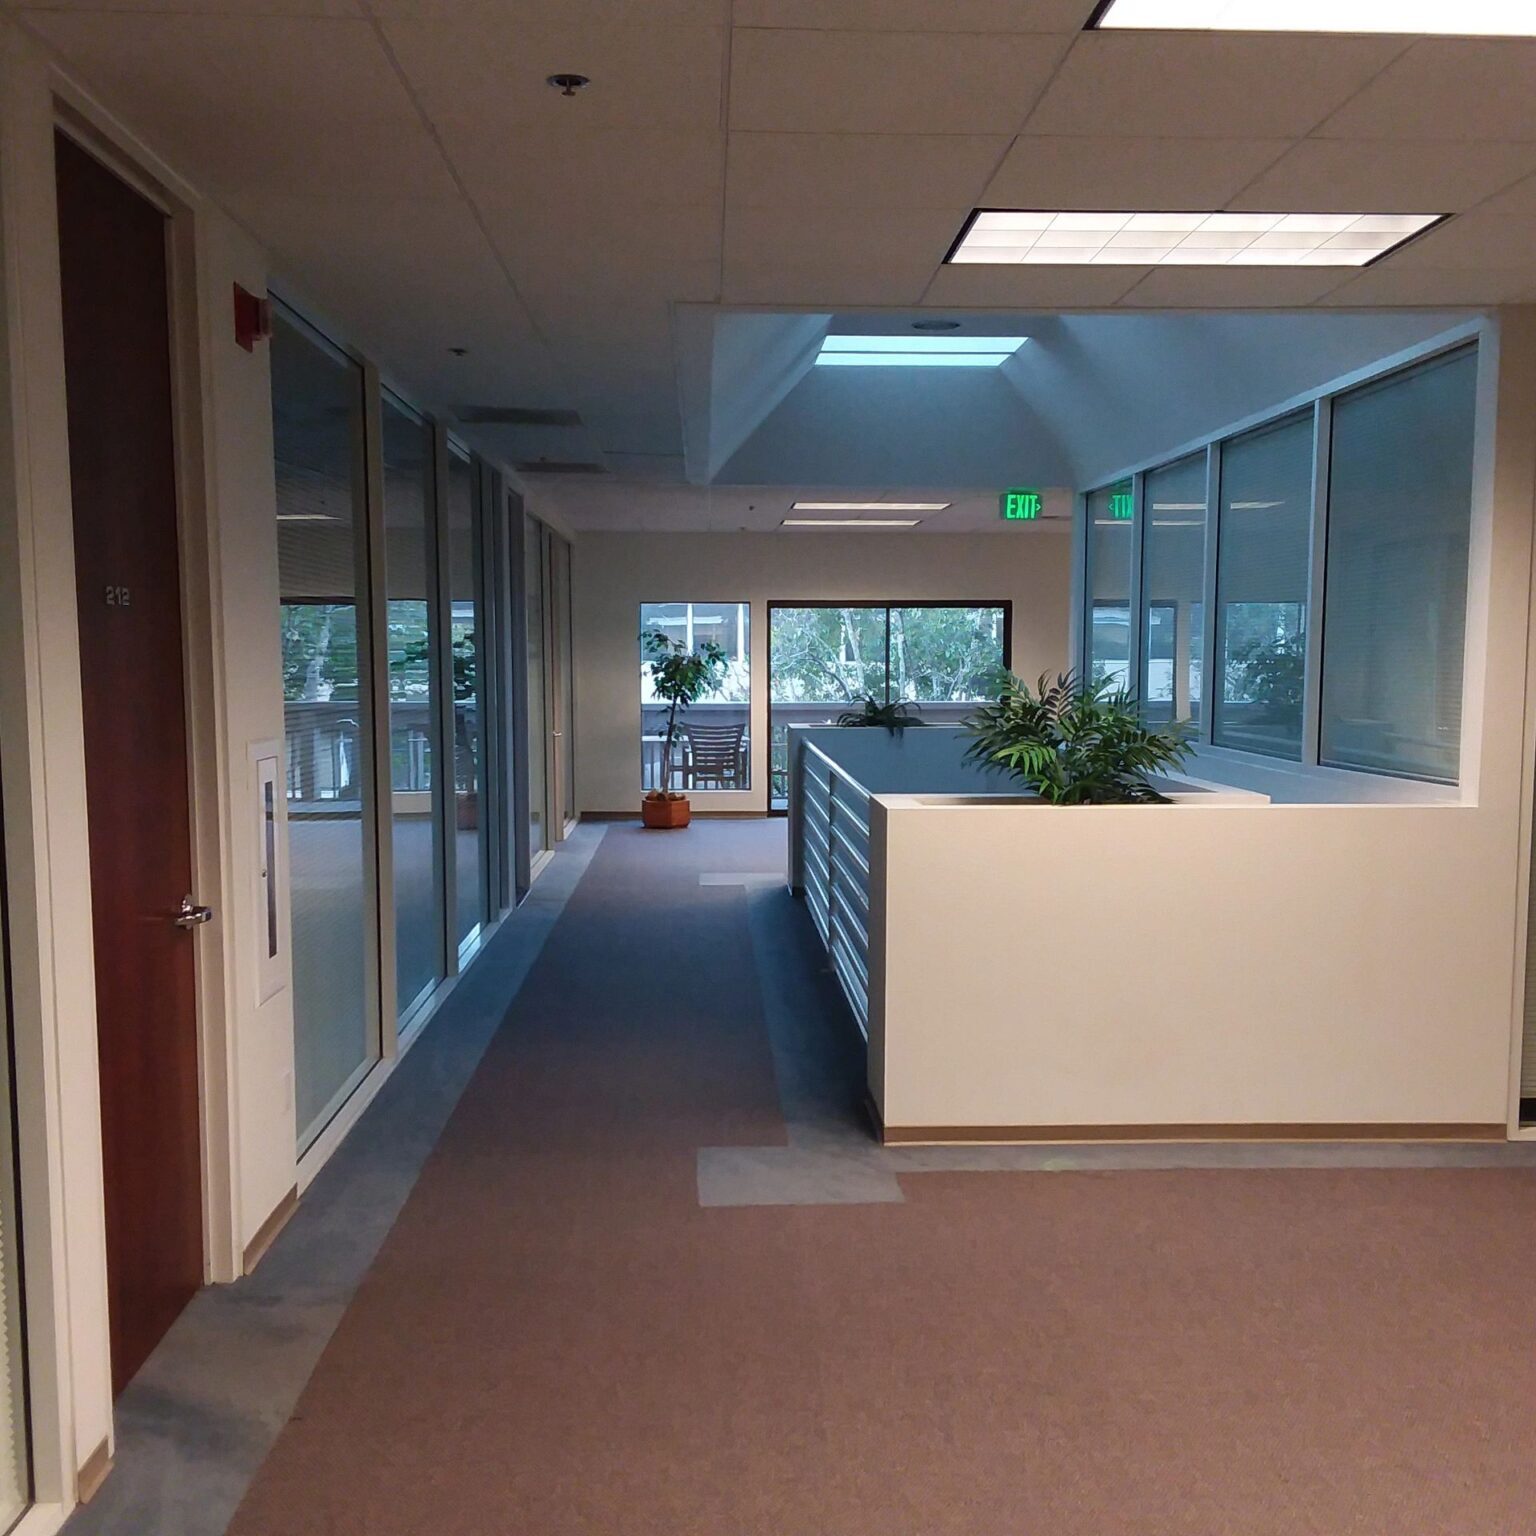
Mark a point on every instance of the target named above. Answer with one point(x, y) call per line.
point(895, 716)
point(680, 677)
point(1272, 674)
point(1073, 743)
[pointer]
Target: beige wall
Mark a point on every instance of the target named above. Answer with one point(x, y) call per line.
point(615, 573)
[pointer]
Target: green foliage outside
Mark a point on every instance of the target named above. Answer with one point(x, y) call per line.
point(1074, 743)
point(895, 716)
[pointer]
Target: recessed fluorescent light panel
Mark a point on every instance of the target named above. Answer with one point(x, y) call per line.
point(869, 506)
point(1434, 18)
point(851, 522)
point(1185, 239)
point(917, 351)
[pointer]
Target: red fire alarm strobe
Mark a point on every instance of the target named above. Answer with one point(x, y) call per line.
point(253, 318)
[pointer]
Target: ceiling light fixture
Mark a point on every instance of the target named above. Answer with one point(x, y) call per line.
point(935, 325)
point(869, 506)
point(568, 85)
point(850, 522)
point(1433, 18)
point(917, 351)
point(1043, 238)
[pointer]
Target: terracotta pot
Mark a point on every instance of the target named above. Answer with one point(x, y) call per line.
point(658, 813)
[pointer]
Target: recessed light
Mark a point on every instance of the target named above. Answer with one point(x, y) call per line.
point(869, 506)
point(917, 351)
point(850, 522)
point(1434, 18)
point(1021, 236)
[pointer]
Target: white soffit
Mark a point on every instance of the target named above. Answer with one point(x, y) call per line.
point(1445, 18)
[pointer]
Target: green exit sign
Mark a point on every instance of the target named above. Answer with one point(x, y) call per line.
point(1122, 505)
point(1019, 506)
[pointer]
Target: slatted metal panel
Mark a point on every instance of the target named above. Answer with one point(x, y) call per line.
point(834, 837)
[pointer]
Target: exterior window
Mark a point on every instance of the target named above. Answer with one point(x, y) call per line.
point(409, 574)
point(1399, 514)
point(1263, 569)
point(317, 404)
point(826, 658)
point(713, 746)
point(1173, 580)
point(1111, 543)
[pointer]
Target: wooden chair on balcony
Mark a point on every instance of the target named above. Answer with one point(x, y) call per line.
point(714, 756)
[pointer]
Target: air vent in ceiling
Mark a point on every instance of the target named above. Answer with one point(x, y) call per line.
point(558, 467)
point(517, 416)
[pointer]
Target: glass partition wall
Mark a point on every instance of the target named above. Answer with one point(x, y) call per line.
point(393, 709)
point(1319, 560)
point(825, 658)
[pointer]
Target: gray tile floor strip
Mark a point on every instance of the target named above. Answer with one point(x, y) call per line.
point(198, 1420)
point(831, 1158)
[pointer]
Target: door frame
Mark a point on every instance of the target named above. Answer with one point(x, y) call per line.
point(212, 783)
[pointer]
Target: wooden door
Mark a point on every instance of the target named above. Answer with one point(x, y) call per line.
point(112, 246)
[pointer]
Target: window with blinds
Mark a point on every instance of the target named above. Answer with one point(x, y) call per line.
point(1173, 582)
point(1399, 517)
point(1111, 548)
point(1262, 571)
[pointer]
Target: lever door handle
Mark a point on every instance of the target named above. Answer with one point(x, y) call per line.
point(191, 915)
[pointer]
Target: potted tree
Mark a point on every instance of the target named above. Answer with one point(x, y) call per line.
point(679, 677)
point(1074, 743)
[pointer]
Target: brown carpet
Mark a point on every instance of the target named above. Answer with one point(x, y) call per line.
point(556, 1339)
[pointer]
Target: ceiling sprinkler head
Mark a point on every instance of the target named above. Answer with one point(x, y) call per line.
point(568, 85)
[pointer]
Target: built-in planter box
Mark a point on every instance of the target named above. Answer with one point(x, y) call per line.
point(1221, 966)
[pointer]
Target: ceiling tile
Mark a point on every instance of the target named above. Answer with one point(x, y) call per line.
point(1112, 173)
point(851, 237)
point(179, 76)
point(588, 240)
point(875, 82)
point(917, 15)
point(848, 170)
point(1357, 175)
point(562, 14)
point(1233, 288)
point(1422, 286)
point(968, 287)
point(1446, 88)
point(557, 166)
point(827, 284)
point(238, 8)
point(1206, 85)
point(494, 72)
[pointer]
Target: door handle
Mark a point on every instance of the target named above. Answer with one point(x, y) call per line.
point(191, 915)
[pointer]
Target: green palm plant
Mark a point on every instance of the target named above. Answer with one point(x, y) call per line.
point(1073, 742)
point(896, 715)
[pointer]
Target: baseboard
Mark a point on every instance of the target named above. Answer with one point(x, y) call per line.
point(698, 815)
point(93, 1473)
point(1004, 1135)
point(266, 1234)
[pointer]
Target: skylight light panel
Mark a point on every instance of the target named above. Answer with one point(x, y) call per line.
point(1002, 237)
point(1430, 18)
point(919, 351)
point(869, 506)
point(850, 522)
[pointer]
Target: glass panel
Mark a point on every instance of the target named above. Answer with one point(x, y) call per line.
point(1173, 577)
point(1111, 543)
point(1399, 513)
point(464, 640)
point(713, 746)
point(317, 398)
point(538, 710)
point(1261, 588)
point(823, 661)
point(566, 653)
point(15, 1461)
point(945, 660)
point(413, 699)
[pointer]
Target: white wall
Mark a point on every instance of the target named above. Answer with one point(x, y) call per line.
point(615, 573)
point(1310, 963)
